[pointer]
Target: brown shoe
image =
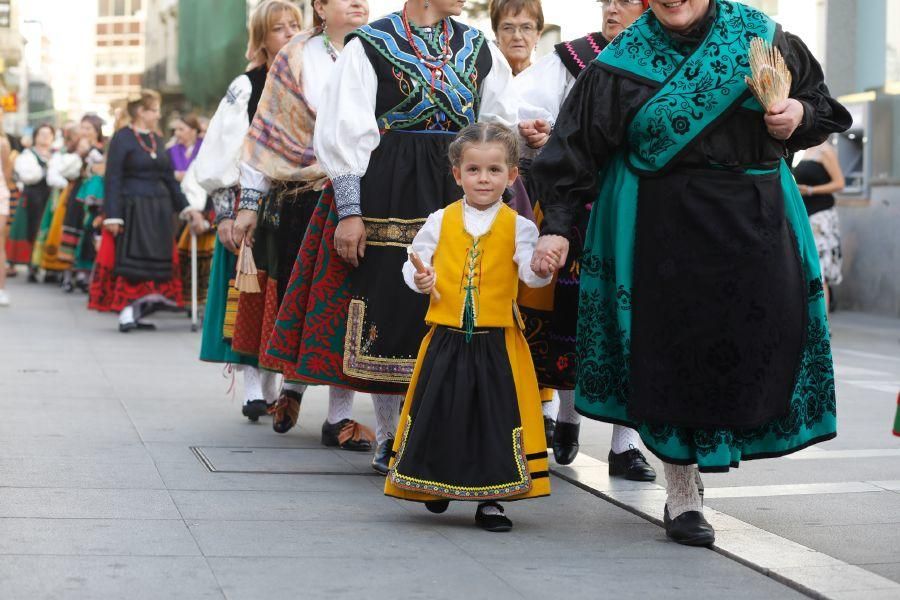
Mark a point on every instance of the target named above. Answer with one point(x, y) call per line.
point(286, 411)
point(348, 435)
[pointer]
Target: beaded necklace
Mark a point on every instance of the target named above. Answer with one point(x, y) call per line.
point(329, 47)
point(435, 64)
point(152, 149)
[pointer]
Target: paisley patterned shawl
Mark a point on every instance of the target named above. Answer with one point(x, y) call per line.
point(279, 143)
point(457, 97)
point(697, 88)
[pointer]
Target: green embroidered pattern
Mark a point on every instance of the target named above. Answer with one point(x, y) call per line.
point(697, 89)
point(470, 311)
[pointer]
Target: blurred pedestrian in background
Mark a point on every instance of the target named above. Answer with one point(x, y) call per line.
point(819, 177)
point(31, 171)
point(137, 270)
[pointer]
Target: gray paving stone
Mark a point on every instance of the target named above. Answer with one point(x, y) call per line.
point(61, 503)
point(696, 573)
point(102, 537)
point(891, 570)
point(823, 509)
point(186, 476)
point(861, 545)
point(107, 578)
point(76, 472)
point(432, 577)
point(322, 539)
point(287, 506)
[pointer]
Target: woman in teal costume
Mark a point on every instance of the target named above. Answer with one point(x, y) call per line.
point(701, 318)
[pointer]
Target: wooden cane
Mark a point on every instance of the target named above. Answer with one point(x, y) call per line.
point(421, 269)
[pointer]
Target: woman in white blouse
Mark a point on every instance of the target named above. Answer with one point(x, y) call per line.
point(272, 25)
point(280, 187)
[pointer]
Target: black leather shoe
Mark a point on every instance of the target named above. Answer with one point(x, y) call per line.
point(631, 465)
point(549, 428)
point(382, 459)
point(254, 409)
point(494, 523)
point(437, 506)
point(357, 437)
point(689, 529)
point(565, 442)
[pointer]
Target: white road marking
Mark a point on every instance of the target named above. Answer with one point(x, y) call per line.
point(802, 568)
point(823, 454)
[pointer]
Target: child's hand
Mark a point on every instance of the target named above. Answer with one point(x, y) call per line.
point(425, 281)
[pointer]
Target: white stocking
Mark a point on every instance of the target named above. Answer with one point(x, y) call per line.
point(624, 439)
point(252, 384)
point(387, 413)
point(551, 408)
point(567, 412)
point(269, 381)
point(340, 404)
point(682, 494)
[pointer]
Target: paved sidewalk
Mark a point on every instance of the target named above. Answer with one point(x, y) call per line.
point(103, 493)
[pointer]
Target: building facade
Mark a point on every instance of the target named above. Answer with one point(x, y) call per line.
point(120, 50)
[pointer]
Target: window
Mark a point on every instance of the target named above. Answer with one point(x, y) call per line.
point(135, 6)
point(119, 8)
point(893, 42)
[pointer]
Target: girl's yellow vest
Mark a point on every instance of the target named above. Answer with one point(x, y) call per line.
point(481, 269)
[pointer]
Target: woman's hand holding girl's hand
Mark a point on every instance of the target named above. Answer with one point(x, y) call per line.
point(549, 254)
point(114, 228)
point(425, 281)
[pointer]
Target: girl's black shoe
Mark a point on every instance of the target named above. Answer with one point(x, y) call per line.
point(492, 522)
point(437, 506)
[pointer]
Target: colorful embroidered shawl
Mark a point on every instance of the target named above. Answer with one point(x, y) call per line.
point(698, 88)
point(457, 97)
point(279, 143)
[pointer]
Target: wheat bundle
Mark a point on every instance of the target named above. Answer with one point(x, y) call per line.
point(421, 269)
point(247, 278)
point(770, 79)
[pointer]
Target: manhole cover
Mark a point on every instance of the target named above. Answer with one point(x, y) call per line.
point(283, 461)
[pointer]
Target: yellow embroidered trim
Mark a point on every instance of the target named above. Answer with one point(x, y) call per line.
point(462, 492)
point(360, 365)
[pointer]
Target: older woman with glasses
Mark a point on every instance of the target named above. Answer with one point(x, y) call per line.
point(517, 25)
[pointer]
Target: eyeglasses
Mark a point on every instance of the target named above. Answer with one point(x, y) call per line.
point(511, 30)
point(621, 3)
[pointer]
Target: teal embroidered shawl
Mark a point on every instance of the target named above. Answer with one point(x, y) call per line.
point(699, 86)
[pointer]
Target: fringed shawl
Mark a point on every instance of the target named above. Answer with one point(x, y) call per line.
point(279, 143)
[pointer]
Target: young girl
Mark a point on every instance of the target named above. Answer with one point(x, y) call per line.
point(472, 427)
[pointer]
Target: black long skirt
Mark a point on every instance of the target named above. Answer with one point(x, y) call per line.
point(719, 301)
point(144, 252)
point(409, 178)
point(463, 438)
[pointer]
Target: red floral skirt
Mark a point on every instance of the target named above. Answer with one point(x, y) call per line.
point(311, 325)
point(110, 292)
